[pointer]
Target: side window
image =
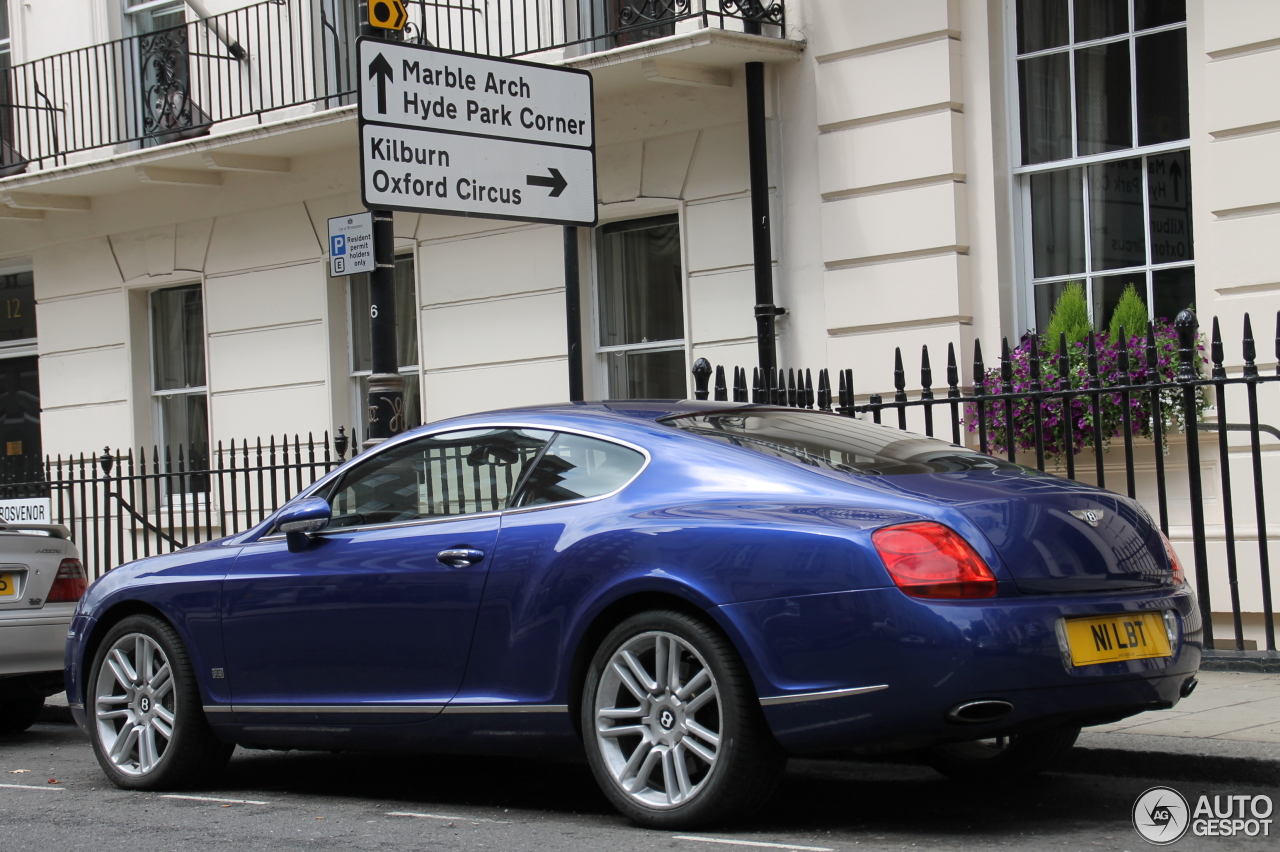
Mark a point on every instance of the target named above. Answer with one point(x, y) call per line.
point(457, 473)
point(574, 467)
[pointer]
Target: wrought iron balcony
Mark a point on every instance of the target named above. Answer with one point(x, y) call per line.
point(253, 63)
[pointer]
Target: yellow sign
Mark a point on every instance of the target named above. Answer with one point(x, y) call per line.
point(387, 14)
point(1110, 638)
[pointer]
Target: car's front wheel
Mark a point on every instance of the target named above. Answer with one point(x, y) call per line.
point(672, 725)
point(1002, 758)
point(148, 728)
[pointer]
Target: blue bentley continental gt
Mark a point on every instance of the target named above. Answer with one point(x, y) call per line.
point(688, 591)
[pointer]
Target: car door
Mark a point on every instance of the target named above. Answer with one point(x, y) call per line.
point(373, 621)
point(542, 569)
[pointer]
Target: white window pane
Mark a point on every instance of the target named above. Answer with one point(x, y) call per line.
point(647, 374)
point(406, 318)
point(640, 281)
point(177, 338)
point(1117, 232)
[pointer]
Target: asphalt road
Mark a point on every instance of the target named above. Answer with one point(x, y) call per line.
point(309, 801)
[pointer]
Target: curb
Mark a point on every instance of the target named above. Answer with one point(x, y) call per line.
point(1125, 763)
point(1171, 766)
point(56, 714)
point(1257, 662)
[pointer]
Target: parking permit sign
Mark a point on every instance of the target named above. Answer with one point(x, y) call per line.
point(350, 244)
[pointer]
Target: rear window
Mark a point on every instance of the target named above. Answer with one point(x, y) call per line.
point(575, 467)
point(834, 442)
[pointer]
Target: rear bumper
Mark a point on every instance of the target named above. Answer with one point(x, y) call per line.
point(33, 643)
point(930, 657)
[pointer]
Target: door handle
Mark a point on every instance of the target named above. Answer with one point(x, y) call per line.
point(460, 557)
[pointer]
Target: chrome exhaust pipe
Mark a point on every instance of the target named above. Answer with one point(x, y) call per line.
point(980, 712)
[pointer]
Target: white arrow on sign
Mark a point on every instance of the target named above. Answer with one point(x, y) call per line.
point(428, 171)
point(423, 87)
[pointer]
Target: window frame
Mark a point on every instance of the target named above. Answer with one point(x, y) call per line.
point(158, 426)
point(358, 402)
point(1020, 175)
point(601, 352)
point(324, 488)
point(131, 10)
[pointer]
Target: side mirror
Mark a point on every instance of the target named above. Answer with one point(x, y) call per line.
point(311, 515)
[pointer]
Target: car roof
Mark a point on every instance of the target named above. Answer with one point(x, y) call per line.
point(641, 410)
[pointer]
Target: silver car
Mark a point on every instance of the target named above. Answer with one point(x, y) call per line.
point(41, 579)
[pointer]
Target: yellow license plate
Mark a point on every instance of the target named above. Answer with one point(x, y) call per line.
point(1110, 638)
point(8, 585)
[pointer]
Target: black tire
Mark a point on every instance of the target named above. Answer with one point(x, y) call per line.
point(747, 760)
point(1005, 758)
point(20, 711)
point(193, 753)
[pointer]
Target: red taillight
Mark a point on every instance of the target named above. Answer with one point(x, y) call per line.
point(70, 583)
point(929, 560)
point(1179, 575)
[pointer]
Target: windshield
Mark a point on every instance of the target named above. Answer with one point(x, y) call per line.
point(834, 442)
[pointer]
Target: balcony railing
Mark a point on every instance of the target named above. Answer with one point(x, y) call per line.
point(253, 63)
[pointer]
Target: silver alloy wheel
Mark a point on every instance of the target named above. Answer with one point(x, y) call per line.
point(658, 719)
point(135, 704)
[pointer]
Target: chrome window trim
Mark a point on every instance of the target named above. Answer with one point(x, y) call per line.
point(648, 459)
point(800, 697)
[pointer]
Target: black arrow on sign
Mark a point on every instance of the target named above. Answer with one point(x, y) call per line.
point(381, 69)
point(1175, 172)
point(556, 181)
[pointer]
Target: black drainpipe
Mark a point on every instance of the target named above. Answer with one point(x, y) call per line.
point(761, 244)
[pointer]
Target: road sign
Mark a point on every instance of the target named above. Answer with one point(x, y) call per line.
point(387, 14)
point(431, 171)
point(350, 244)
point(465, 135)
point(418, 87)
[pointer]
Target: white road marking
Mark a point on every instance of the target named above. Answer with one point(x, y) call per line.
point(213, 799)
point(442, 816)
point(753, 843)
point(30, 787)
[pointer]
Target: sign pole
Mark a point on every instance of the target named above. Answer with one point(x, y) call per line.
point(444, 132)
point(386, 385)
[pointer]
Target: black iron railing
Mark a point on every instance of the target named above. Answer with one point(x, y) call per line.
point(278, 55)
point(1028, 420)
point(121, 506)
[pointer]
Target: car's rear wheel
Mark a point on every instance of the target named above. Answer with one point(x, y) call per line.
point(672, 725)
point(20, 711)
point(145, 716)
point(1000, 758)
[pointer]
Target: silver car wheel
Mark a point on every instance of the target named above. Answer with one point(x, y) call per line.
point(135, 704)
point(658, 719)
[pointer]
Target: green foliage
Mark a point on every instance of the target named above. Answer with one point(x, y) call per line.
point(1130, 314)
point(1070, 315)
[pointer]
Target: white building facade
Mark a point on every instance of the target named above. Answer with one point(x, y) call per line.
point(939, 170)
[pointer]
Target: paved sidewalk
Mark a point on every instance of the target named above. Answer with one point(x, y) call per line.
point(1228, 730)
point(1226, 707)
